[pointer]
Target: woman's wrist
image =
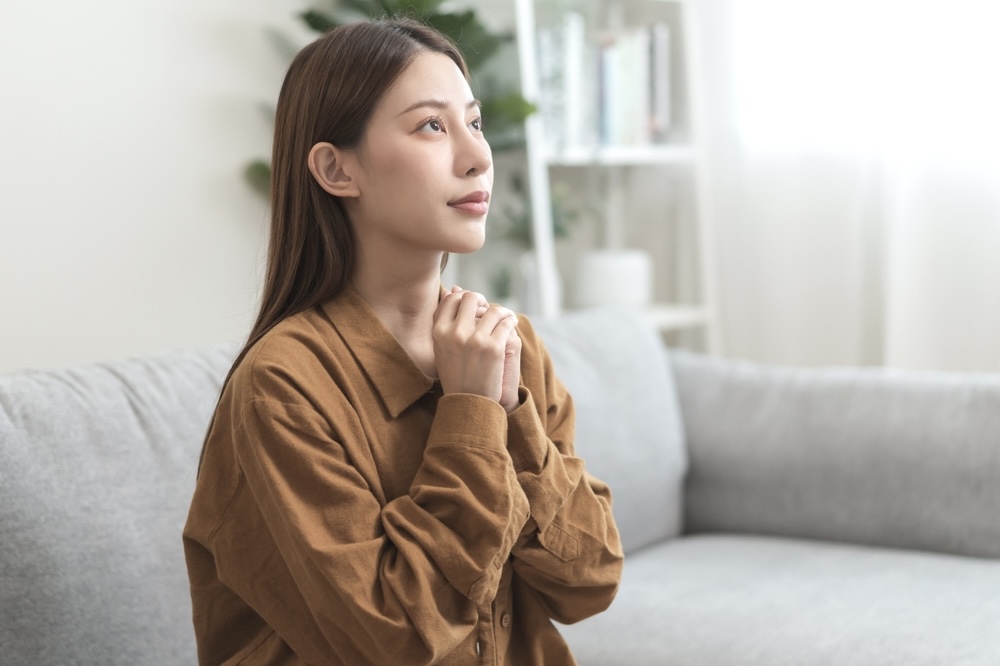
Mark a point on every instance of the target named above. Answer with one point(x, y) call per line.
point(511, 406)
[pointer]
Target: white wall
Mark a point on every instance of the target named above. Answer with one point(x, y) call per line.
point(125, 226)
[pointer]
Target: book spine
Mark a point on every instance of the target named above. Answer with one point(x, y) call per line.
point(659, 81)
point(574, 62)
point(550, 99)
point(609, 73)
point(639, 118)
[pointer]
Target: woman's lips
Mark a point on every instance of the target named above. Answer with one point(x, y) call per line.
point(476, 203)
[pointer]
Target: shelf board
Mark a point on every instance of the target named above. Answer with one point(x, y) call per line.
point(673, 317)
point(622, 155)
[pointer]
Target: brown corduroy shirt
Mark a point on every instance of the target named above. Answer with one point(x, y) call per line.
point(346, 512)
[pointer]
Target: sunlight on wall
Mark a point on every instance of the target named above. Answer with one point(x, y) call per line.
point(869, 76)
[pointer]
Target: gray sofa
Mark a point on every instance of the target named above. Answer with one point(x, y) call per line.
point(770, 515)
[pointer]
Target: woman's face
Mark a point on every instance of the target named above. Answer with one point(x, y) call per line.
point(424, 170)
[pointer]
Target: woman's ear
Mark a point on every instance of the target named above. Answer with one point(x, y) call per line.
point(332, 169)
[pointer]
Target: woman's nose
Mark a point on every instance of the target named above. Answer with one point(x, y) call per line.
point(475, 155)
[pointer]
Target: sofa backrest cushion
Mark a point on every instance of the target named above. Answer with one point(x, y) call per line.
point(879, 457)
point(97, 467)
point(628, 424)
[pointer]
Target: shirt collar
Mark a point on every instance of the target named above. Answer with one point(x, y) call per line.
point(396, 378)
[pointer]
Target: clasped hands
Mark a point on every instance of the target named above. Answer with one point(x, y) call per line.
point(476, 347)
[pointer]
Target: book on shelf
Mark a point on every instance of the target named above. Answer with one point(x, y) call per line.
point(603, 88)
point(659, 81)
point(563, 82)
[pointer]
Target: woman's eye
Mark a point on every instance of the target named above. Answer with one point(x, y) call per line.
point(477, 125)
point(433, 125)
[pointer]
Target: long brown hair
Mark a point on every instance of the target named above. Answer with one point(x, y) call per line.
point(328, 95)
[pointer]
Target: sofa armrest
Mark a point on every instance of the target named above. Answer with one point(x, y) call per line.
point(871, 456)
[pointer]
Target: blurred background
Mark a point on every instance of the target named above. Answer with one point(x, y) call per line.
point(849, 155)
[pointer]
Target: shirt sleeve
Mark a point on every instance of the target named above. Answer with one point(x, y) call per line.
point(569, 551)
point(398, 583)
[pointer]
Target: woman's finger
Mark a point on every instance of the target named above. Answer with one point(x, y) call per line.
point(447, 308)
point(506, 324)
point(490, 321)
point(469, 306)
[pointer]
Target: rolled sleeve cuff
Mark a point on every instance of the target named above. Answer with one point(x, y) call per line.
point(541, 472)
point(526, 438)
point(466, 418)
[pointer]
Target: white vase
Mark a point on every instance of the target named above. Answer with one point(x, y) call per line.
point(613, 277)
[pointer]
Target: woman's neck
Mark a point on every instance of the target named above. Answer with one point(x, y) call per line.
point(404, 301)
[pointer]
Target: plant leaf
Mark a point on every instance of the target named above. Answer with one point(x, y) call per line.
point(512, 107)
point(476, 42)
point(428, 7)
point(505, 143)
point(419, 8)
point(504, 120)
point(383, 7)
point(364, 7)
point(449, 23)
point(318, 21)
point(258, 175)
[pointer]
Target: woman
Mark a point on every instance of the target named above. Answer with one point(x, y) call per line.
point(389, 475)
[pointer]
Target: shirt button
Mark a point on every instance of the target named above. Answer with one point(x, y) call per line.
point(505, 620)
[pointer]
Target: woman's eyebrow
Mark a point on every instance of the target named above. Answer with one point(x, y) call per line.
point(436, 104)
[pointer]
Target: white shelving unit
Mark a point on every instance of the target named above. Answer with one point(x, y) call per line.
point(616, 160)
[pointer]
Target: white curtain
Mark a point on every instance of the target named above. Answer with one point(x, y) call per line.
point(855, 175)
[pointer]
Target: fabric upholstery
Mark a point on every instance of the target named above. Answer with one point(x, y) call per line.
point(97, 466)
point(899, 459)
point(733, 600)
point(628, 425)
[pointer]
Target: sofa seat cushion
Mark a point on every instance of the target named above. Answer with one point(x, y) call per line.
point(728, 599)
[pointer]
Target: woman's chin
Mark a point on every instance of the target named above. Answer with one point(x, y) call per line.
point(469, 244)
